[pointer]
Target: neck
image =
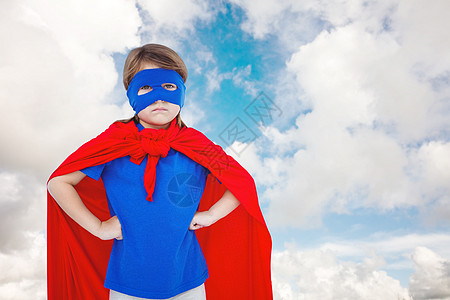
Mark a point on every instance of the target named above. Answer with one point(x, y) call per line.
point(153, 126)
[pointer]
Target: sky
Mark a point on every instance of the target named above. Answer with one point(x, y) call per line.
point(339, 109)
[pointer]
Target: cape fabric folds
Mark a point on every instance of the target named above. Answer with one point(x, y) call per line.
point(237, 248)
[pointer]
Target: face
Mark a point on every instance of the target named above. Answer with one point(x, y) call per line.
point(160, 113)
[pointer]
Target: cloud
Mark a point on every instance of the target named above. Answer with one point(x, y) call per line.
point(172, 22)
point(373, 128)
point(262, 16)
point(22, 209)
point(432, 277)
point(192, 112)
point(265, 171)
point(396, 249)
point(239, 76)
point(56, 76)
point(23, 242)
point(179, 15)
point(319, 274)
point(23, 273)
point(214, 79)
point(332, 270)
point(356, 269)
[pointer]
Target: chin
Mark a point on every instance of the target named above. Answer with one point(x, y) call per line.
point(153, 123)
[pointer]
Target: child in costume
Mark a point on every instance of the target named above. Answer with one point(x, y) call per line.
point(125, 209)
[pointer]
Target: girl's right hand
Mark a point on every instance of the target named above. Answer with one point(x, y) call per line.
point(110, 229)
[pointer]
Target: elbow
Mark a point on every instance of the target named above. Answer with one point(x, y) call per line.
point(56, 183)
point(53, 184)
point(50, 184)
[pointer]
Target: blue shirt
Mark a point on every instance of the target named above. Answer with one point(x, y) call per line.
point(159, 257)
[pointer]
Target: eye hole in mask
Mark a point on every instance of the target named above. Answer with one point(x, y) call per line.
point(146, 88)
point(169, 86)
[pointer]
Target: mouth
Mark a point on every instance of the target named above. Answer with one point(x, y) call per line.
point(159, 109)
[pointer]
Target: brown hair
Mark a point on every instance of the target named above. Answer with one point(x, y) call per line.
point(160, 55)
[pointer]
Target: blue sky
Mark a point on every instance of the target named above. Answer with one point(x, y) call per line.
point(352, 169)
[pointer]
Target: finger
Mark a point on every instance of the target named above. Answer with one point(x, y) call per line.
point(195, 226)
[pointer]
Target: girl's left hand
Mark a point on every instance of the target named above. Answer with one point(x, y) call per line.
point(201, 219)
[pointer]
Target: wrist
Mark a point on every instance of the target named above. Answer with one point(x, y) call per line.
point(212, 216)
point(95, 228)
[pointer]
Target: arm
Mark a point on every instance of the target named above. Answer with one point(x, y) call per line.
point(220, 209)
point(62, 189)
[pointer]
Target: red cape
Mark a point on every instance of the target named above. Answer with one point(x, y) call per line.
point(237, 248)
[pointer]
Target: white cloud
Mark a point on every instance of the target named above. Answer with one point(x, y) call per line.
point(90, 25)
point(319, 274)
point(262, 16)
point(22, 209)
point(421, 31)
point(377, 129)
point(178, 15)
point(362, 78)
point(293, 23)
point(239, 76)
point(242, 79)
point(396, 248)
point(354, 269)
point(265, 171)
point(432, 277)
point(57, 71)
point(432, 163)
point(200, 60)
point(23, 243)
point(192, 113)
point(214, 79)
point(23, 273)
point(172, 22)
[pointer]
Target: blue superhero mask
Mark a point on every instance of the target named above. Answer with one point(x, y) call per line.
point(155, 78)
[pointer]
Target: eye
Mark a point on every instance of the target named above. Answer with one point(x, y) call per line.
point(145, 89)
point(169, 86)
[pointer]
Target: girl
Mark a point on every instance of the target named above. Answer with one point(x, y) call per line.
point(148, 184)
